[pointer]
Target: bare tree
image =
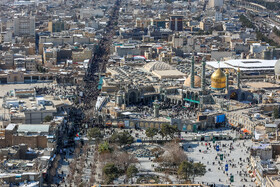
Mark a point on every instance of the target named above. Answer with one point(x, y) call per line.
point(174, 155)
point(124, 159)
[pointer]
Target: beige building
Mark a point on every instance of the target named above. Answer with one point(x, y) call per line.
point(50, 57)
point(81, 56)
point(165, 56)
point(15, 77)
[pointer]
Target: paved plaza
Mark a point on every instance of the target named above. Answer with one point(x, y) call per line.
point(198, 152)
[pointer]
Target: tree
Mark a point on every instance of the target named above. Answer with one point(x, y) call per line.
point(151, 132)
point(122, 138)
point(168, 130)
point(174, 154)
point(94, 133)
point(185, 170)
point(198, 170)
point(48, 118)
point(131, 171)
point(111, 172)
point(123, 160)
point(276, 113)
point(189, 170)
point(104, 148)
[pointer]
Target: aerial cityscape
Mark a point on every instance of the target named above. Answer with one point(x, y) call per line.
point(140, 93)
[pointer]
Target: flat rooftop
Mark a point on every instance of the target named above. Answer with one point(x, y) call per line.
point(244, 64)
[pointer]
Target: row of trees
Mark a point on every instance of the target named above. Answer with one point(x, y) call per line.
point(262, 37)
point(111, 172)
point(166, 131)
point(121, 139)
point(259, 35)
point(124, 138)
point(267, 4)
point(276, 31)
point(245, 21)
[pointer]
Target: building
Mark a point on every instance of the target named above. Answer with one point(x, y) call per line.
point(81, 56)
point(250, 68)
point(6, 36)
point(30, 64)
point(34, 136)
point(216, 3)
point(176, 23)
point(24, 25)
point(56, 26)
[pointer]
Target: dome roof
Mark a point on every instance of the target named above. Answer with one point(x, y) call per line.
point(197, 81)
point(152, 66)
point(277, 67)
point(218, 79)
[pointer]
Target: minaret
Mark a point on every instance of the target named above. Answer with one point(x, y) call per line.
point(227, 81)
point(238, 78)
point(156, 109)
point(192, 73)
point(203, 78)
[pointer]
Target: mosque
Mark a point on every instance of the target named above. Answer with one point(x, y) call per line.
point(196, 93)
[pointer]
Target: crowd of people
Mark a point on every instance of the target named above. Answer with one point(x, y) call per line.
point(228, 159)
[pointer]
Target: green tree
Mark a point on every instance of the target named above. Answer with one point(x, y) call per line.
point(111, 172)
point(245, 21)
point(185, 170)
point(151, 132)
point(94, 133)
point(48, 118)
point(198, 170)
point(276, 113)
point(104, 148)
point(122, 138)
point(188, 170)
point(168, 130)
point(131, 171)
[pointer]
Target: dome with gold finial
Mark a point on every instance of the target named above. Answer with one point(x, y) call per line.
point(218, 80)
point(197, 81)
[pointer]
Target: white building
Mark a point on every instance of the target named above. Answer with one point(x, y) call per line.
point(218, 16)
point(88, 13)
point(24, 25)
point(6, 36)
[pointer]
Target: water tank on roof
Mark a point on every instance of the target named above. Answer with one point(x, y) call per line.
point(257, 115)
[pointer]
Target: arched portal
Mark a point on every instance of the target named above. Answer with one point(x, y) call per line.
point(243, 97)
point(132, 98)
point(234, 96)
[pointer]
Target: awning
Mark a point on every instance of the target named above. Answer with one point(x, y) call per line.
point(220, 118)
point(126, 113)
point(246, 130)
point(232, 124)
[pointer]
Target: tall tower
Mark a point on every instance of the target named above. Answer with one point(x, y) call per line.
point(156, 109)
point(227, 81)
point(192, 73)
point(238, 78)
point(203, 77)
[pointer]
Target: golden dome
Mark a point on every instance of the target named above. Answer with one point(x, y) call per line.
point(218, 79)
point(197, 81)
